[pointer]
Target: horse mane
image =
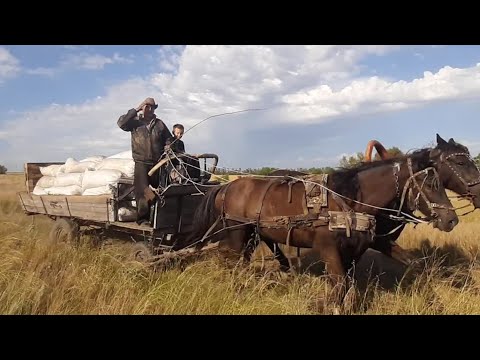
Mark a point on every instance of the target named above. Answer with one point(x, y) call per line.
point(345, 180)
point(286, 172)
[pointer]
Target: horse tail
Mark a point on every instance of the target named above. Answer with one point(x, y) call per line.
point(205, 214)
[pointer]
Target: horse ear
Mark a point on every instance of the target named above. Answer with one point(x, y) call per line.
point(434, 153)
point(440, 141)
point(451, 141)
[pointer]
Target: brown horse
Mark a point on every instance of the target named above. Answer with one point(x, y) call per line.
point(457, 172)
point(338, 223)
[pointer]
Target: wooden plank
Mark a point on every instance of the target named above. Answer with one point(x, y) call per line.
point(132, 225)
point(33, 174)
point(81, 199)
point(57, 206)
point(28, 203)
point(32, 203)
point(83, 207)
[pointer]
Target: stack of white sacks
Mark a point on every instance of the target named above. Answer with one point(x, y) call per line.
point(95, 175)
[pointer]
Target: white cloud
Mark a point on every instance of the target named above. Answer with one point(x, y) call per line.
point(117, 58)
point(87, 61)
point(60, 131)
point(84, 61)
point(44, 71)
point(419, 55)
point(313, 83)
point(71, 47)
point(169, 57)
point(376, 94)
point(9, 65)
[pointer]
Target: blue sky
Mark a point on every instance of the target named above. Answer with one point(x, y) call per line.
point(322, 102)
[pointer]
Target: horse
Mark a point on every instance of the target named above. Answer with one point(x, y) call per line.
point(333, 214)
point(457, 172)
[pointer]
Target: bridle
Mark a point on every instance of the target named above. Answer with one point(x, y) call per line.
point(412, 183)
point(444, 160)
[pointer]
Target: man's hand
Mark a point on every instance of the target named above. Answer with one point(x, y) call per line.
point(140, 107)
point(166, 148)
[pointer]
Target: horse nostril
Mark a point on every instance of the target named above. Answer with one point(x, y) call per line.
point(453, 223)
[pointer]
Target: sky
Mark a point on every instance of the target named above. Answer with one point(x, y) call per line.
point(315, 103)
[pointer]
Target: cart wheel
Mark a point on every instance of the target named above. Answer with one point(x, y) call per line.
point(64, 230)
point(141, 252)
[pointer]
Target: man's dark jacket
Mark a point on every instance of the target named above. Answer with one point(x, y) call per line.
point(148, 139)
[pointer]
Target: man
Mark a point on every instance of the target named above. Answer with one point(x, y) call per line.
point(149, 137)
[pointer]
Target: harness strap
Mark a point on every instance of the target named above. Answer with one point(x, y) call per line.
point(391, 231)
point(404, 192)
point(443, 159)
point(237, 218)
point(210, 229)
point(289, 236)
point(262, 199)
point(347, 210)
point(414, 180)
point(223, 205)
point(290, 184)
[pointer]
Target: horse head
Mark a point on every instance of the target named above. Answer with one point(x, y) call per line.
point(406, 184)
point(426, 192)
point(457, 169)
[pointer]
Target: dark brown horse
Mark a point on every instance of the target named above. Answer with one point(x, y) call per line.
point(457, 172)
point(337, 224)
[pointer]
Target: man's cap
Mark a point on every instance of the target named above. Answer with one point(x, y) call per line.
point(150, 101)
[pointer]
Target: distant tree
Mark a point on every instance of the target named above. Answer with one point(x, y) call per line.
point(3, 169)
point(352, 160)
point(393, 151)
point(477, 160)
point(323, 170)
point(264, 170)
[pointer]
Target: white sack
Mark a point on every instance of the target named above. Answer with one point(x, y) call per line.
point(123, 155)
point(60, 180)
point(97, 178)
point(101, 190)
point(126, 166)
point(74, 166)
point(38, 190)
point(52, 170)
point(64, 190)
point(46, 181)
point(127, 214)
point(96, 159)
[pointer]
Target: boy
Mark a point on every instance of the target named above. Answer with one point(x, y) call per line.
point(178, 146)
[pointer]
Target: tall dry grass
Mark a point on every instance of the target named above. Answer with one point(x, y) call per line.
point(40, 278)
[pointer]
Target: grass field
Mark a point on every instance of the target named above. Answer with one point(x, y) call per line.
point(40, 278)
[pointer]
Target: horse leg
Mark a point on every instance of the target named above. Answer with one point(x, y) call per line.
point(252, 242)
point(329, 253)
point(233, 245)
point(394, 251)
point(278, 253)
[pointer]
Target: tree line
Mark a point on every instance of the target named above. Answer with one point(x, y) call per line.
point(345, 162)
